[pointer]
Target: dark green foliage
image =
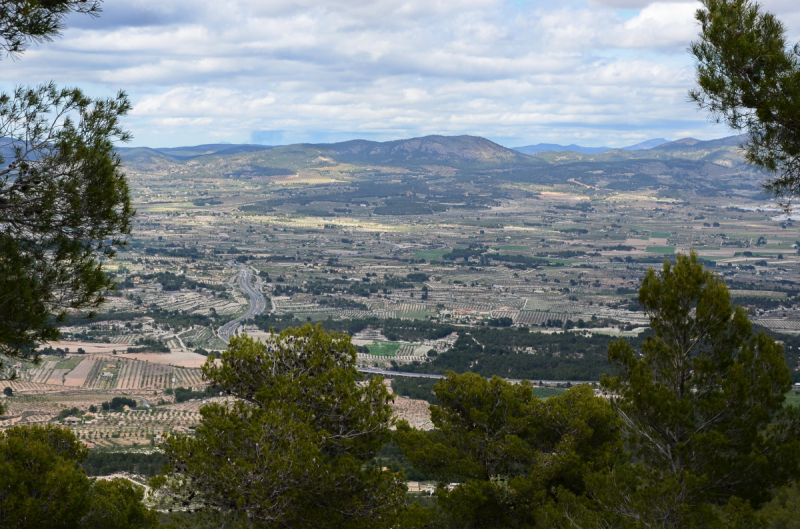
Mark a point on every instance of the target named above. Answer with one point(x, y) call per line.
point(187, 253)
point(102, 463)
point(64, 203)
point(42, 485)
point(408, 206)
point(748, 77)
point(148, 345)
point(509, 450)
point(783, 511)
point(394, 329)
point(173, 282)
point(184, 394)
point(702, 405)
point(417, 277)
point(23, 22)
point(71, 412)
point(568, 254)
point(503, 352)
point(117, 503)
point(520, 261)
point(416, 388)
point(392, 457)
point(500, 322)
point(118, 402)
point(208, 201)
point(342, 303)
point(365, 288)
point(292, 449)
point(174, 318)
point(474, 250)
point(8, 392)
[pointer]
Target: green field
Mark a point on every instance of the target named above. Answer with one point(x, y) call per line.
point(511, 247)
point(659, 235)
point(667, 250)
point(69, 363)
point(431, 255)
point(384, 348)
point(792, 398)
point(545, 393)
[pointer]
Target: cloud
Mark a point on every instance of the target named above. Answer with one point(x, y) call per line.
point(304, 70)
point(634, 4)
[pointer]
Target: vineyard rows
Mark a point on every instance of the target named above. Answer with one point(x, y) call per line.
point(105, 372)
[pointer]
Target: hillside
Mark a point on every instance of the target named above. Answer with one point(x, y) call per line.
point(256, 160)
point(724, 151)
point(686, 167)
point(457, 150)
point(533, 150)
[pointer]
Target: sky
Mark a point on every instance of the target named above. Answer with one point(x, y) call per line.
point(519, 72)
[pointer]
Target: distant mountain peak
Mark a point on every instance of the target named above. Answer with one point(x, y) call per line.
point(533, 150)
point(649, 144)
point(687, 141)
point(431, 148)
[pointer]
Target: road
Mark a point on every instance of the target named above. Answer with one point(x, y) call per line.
point(387, 372)
point(257, 303)
point(390, 373)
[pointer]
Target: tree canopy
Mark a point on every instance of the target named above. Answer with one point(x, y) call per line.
point(43, 485)
point(64, 202)
point(701, 406)
point(511, 453)
point(748, 77)
point(23, 22)
point(291, 449)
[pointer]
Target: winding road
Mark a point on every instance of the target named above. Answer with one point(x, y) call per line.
point(257, 303)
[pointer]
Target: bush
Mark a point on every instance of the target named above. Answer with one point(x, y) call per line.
point(184, 394)
point(415, 388)
point(63, 414)
point(118, 402)
point(101, 463)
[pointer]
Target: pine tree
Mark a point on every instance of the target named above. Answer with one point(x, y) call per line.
point(64, 202)
point(748, 77)
point(702, 407)
point(513, 455)
point(291, 450)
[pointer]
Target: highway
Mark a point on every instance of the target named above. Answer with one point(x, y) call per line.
point(257, 303)
point(387, 372)
point(390, 373)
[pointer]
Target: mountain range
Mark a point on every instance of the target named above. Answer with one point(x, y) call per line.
point(683, 167)
point(533, 150)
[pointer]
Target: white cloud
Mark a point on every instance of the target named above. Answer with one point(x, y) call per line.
point(204, 70)
point(660, 25)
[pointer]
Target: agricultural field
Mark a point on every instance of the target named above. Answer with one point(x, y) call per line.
point(384, 348)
